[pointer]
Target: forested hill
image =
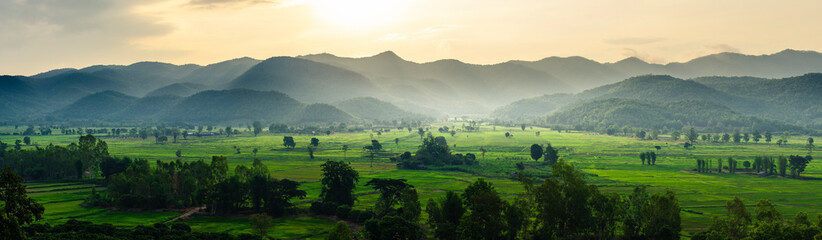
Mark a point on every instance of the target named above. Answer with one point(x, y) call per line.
point(616, 113)
point(227, 106)
point(448, 86)
point(786, 103)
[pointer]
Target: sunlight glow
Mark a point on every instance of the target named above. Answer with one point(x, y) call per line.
point(359, 13)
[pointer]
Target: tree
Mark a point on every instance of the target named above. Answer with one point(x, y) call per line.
point(389, 190)
point(341, 232)
point(726, 137)
point(536, 152)
point(483, 150)
point(228, 131)
point(737, 137)
point(675, 135)
point(810, 145)
point(27, 140)
point(640, 134)
point(766, 212)
point(522, 126)
point(373, 149)
point(551, 154)
point(798, 164)
point(288, 142)
point(746, 137)
point(654, 135)
point(768, 136)
point(345, 149)
point(783, 165)
point(756, 136)
point(692, 135)
point(315, 142)
point(444, 215)
point(260, 223)
point(642, 156)
point(311, 152)
point(483, 220)
point(17, 209)
point(179, 153)
point(338, 183)
point(258, 127)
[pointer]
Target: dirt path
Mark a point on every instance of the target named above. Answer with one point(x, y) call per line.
point(187, 214)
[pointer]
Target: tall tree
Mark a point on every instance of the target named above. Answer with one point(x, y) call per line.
point(536, 152)
point(444, 215)
point(258, 127)
point(17, 208)
point(338, 183)
point(551, 154)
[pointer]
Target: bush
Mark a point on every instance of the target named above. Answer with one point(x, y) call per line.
point(342, 211)
point(180, 227)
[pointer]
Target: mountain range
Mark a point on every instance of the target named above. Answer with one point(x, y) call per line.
point(512, 90)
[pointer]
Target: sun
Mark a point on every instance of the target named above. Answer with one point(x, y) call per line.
point(359, 13)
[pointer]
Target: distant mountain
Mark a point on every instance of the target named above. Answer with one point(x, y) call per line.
point(151, 108)
point(220, 74)
point(789, 100)
point(579, 72)
point(178, 89)
point(467, 88)
point(96, 106)
point(305, 80)
point(18, 98)
point(376, 110)
point(236, 106)
point(531, 108)
point(320, 113)
point(604, 113)
point(449, 86)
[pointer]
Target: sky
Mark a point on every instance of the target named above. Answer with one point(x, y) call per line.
point(40, 35)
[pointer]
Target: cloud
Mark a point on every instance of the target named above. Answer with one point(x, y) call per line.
point(54, 33)
point(103, 19)
point(633, 41)
point(722, 48)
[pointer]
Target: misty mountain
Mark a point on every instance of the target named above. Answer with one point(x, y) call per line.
point(532, 108)
point(468, 88)
point(220, 74)
point(376, 110)
point(604, 113)
point(450, 86)
point(305, 80)
point(213, 106)
point(100, 105)
point(179, 89)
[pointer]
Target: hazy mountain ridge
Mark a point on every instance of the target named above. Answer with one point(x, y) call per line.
point(791, 101)
point(370, 108)
point(607, 113)
point(443, 86)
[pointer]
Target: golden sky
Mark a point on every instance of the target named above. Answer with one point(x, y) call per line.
point(38, 35)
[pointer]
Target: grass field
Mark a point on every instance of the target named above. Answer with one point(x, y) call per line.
point(611, 162)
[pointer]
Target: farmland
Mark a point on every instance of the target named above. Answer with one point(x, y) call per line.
point(611, 162)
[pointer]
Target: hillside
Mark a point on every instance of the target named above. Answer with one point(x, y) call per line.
point(532, 108)
point(304, 80)
point(220, 74)
point(96, 106)
point(178, 89)
point(603, 113)
point(376, 110)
